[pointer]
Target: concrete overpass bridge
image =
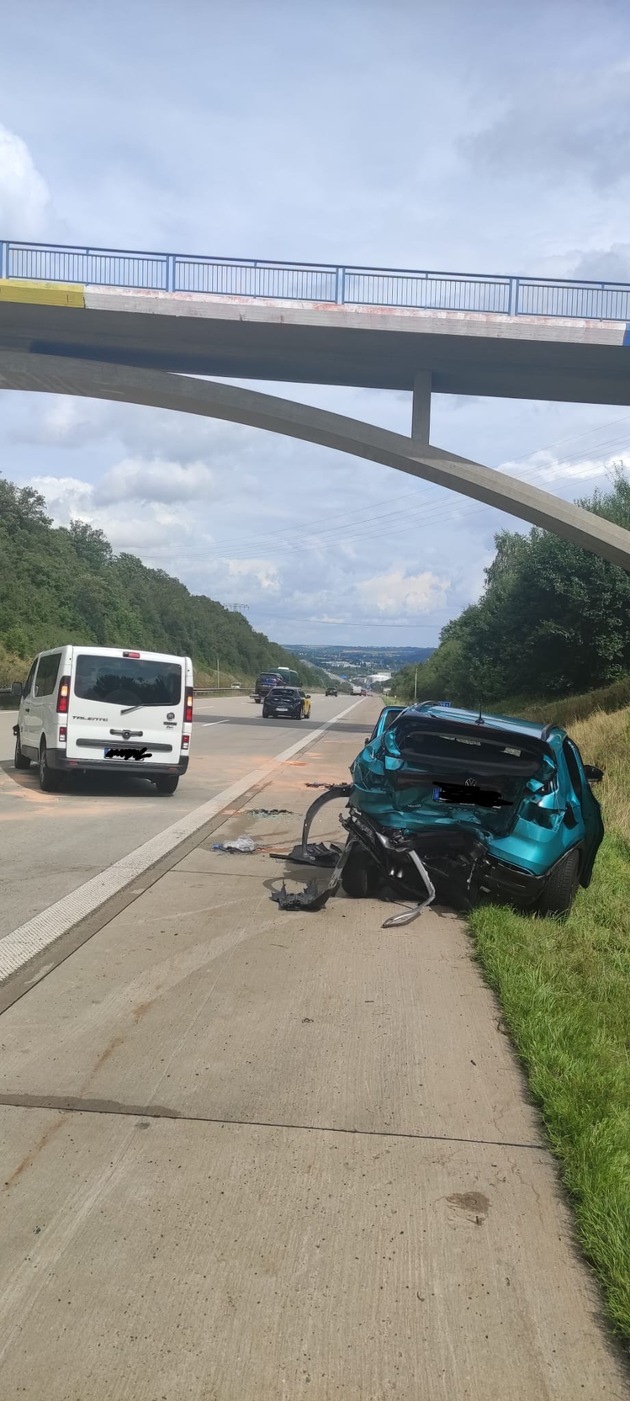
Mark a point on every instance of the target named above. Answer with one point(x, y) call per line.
point(130, 326)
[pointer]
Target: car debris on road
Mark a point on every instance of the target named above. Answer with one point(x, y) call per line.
point(246, 845)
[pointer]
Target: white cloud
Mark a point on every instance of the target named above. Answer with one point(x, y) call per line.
point(260, 572)
point(542, 468)
point(395, 593)
point(24, 197)
point(155, 526)
point(67, 498)
point(47, 421)
point(561, 126)
point(135, 479)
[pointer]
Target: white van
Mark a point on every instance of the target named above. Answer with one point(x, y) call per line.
point(89, 708)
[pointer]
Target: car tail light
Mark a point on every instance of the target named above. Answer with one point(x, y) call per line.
point(131, 654)
point(63, 734)
point(185, 741)
point(189, 708)
point(63, 695)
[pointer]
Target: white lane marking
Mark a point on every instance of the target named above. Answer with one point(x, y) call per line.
point(207, 724)
point(25, 942)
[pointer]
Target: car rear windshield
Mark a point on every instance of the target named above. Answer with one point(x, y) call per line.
point(127, 680)
point(267, 680)
point(482, 755)
point(288, 693)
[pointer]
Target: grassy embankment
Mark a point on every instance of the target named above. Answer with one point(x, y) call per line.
point(565, 993)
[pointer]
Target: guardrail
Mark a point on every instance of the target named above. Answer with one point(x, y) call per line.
point(315, 282)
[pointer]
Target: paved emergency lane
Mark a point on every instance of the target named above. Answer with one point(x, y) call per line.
point(255, 1155)
point(54, 842)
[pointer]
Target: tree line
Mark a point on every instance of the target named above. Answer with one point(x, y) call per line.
point(61, 584)
point(553, 620)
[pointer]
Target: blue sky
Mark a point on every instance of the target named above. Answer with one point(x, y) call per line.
point(453, 136)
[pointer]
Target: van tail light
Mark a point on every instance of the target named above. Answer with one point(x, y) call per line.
point(185, 741)
point(63, 734)
point(189, 708)
point(63, 695)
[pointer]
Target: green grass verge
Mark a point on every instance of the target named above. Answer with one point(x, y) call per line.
point(565, 993)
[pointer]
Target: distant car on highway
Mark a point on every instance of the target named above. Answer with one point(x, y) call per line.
point(331, 691)
point(286, 701)
point(105, 708)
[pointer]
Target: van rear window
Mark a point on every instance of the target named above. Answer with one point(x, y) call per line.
point(127, 681)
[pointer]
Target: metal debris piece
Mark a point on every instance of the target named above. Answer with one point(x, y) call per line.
point(310, 898)
point(270, 812)
point(313, 854)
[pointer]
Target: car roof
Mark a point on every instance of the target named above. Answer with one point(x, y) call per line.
point(537, 729)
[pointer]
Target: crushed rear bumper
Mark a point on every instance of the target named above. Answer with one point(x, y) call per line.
point(462, 870)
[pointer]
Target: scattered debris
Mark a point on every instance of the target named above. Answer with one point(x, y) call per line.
point(243, 844)
point(313, 854)
point(320, 785)
point(270, 812)
point(310, 898)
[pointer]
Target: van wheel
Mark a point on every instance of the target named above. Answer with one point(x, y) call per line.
point(20, 761)
point(561, 888)
point(49, 781)
point(167, 782)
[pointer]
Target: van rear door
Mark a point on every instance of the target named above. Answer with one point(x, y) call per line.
point(126, 705)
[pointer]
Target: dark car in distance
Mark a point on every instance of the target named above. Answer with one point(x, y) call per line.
point(286, 702)
point(331, 691)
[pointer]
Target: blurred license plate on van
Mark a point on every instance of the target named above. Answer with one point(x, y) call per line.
point(130, 755)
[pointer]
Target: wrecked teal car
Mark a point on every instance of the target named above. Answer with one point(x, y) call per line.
point(474, 807)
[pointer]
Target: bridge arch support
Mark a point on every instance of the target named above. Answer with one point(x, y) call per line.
point(53, 374)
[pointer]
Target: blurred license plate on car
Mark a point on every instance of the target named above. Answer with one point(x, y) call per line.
point(282, 710)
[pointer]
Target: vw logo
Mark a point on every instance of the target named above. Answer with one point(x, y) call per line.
point(171, 715)
point(471, 783)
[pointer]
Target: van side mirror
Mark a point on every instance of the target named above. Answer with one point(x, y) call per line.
point(17, 688)
point(593, 774)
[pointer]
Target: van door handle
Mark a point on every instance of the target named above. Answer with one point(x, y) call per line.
point(27, 708)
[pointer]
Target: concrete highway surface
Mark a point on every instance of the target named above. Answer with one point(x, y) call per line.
point(52, 842)
point(255, 1155)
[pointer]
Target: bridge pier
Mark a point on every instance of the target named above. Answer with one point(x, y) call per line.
point(421, 406)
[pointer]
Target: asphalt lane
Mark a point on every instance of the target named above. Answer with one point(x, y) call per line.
point(54, 842)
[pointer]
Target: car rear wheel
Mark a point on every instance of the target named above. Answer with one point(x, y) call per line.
point(561, 888)
point(49, 781)
point(358, 875)
point(21, 761)
point(166, 782)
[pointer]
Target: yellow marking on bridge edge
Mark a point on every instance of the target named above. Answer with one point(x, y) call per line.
point(46, 293)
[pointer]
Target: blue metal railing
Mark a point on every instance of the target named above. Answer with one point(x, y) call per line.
point(315, 282)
